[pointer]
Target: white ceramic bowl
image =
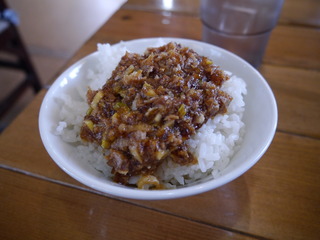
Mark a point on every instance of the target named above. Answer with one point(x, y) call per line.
point(260, 118)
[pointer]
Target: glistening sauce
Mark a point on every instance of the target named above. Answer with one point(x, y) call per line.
point(151, 104)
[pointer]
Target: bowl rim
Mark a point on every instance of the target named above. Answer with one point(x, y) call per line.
point(134, 193)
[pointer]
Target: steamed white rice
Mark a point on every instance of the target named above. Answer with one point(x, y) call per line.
point(214, 144)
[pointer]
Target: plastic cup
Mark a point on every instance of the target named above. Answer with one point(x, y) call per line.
point(240, 26)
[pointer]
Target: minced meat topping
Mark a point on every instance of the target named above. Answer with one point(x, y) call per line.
point(150, 106)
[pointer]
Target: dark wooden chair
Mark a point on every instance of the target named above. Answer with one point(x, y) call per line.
point(12, 43)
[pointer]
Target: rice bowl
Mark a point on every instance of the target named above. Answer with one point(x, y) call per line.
point(254, 142)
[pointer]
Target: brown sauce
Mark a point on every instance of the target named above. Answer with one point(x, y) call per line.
point(150, 106)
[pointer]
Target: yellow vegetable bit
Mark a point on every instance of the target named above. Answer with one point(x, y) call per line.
point(148, 181)
point(129, 70)
point(208, 61)
point(121, 105)
point(157, 118)
point(96, 99)
point(105, 144)
point(182, 111)
point(168, 123)
point(148, 90)
point(89, 124)
point(161, 154)
point(115, 118)
point(134, 151)
point(89, 111)
point(117, 88)
point(122, 93)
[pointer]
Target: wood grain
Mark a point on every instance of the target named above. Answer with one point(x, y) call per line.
point(36, 209)
point(287, 46)
point(294, 12)
point(277, 199)
point(186, 7)
point(23, 134)
point(304, 13)
point(297, 93)
point(266, 201)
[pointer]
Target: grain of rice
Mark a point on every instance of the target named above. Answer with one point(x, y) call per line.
point(213, 144)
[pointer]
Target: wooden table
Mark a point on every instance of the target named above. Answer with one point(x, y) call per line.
point(279, 198)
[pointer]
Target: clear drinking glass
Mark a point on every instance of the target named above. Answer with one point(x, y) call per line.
point(241, 26)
